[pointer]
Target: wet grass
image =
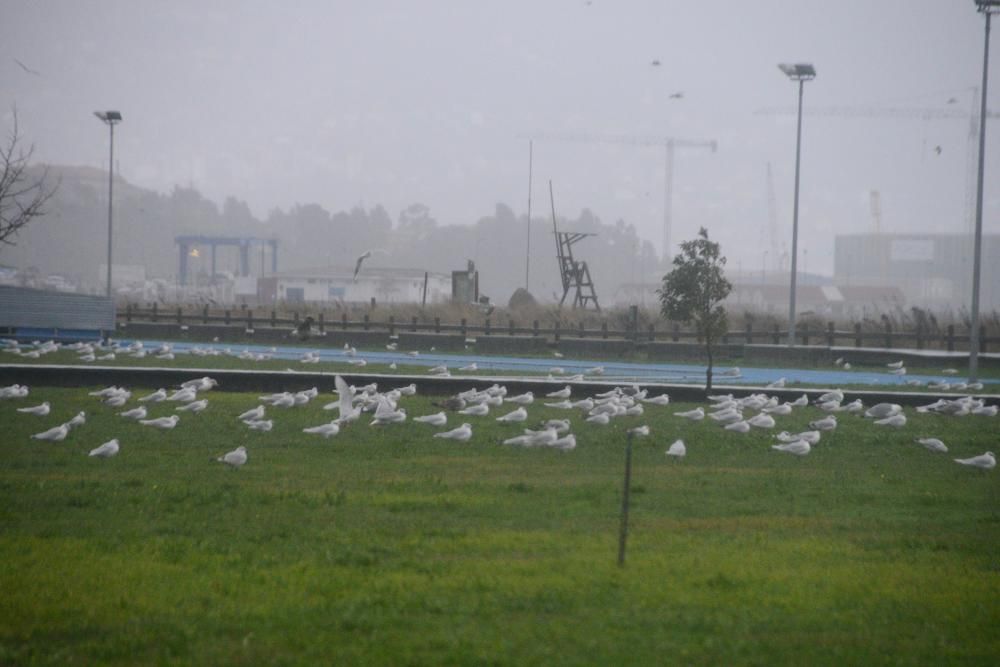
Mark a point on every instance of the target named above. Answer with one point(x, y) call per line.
point(387, 546)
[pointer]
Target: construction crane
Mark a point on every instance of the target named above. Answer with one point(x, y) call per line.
point(972, 145)
point(670, 145)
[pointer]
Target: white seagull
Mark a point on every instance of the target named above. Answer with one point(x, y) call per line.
point(194, 406)
point(41, 410)
point(326, 430)
point(694, 415)
point(107, 450)
point(799, 447)
point(462, 433)
point(252, 415)
point(235, 458)
point(985, 461)
point(677, 450)
point(565, 392)
point(162, 422)
point(436, 419)
point(518, 415)
point(155, 397)
point(54, 434)
point(932, 444)
point(260, 424)
point(135, 413)
point(896, 421)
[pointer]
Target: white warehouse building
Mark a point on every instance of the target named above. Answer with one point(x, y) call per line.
point(337, 284)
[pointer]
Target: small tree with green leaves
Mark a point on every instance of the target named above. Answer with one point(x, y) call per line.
point(694, 290)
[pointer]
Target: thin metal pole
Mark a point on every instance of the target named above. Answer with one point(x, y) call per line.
point(527, 260)
point(668, 201)
point(623, 526)
point(795, 225)
point(111, 185)
point(978, 242)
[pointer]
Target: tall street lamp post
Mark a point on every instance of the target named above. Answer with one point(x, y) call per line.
point(800, 72)
point(110, 118)
point(988, 8)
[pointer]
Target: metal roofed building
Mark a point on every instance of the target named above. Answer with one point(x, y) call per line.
point(337, 284)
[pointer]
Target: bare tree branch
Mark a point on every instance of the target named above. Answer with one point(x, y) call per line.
point(23, 195)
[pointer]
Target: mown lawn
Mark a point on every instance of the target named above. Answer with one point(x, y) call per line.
point(386, 546)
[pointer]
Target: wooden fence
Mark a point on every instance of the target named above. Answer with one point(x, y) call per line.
point(946, 338)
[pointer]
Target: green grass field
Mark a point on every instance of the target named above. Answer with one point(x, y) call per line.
point(386, 546)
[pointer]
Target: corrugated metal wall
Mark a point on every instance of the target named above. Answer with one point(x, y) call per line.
point(20, 307)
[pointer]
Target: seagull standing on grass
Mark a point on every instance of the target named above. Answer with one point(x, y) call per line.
point(235, 458)
point(41, 410)
point(54, 434)
point(436, 419)
point(677, 450)
point(462, 433)
point(985, 461)
point(107, 450)
point(799, 447)
point(932, 444)
point(162, 422)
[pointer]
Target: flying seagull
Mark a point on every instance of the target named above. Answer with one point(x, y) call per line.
point(679, 95)
point(26, 68)
point(357, 266)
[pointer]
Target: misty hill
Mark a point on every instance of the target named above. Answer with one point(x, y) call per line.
point(71, 239)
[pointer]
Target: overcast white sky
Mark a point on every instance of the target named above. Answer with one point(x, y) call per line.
point(396, 102)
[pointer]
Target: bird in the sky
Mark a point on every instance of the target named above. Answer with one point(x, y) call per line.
point(655, 63)
point(357, 266)
point(679, 95)
point(937, 149)
point(26, 68)
point(952, 100)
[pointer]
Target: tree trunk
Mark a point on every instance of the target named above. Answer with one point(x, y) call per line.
point(708, 371)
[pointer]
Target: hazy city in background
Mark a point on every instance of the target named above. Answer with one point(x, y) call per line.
point(403, 129)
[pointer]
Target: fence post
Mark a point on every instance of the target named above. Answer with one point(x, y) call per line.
point(776, 335)
point(555, 331)
point(180, 315)
point(888, 334)
point(951, 337)
point(486, 326)
point(534, 328)
point(920, 335)
point(413, 323)
point(829, 334)
point(982, 338)
point(155, 313)
point(343, 321)
point(249, 320)
point(227, 319)
point(437, 325)
point(583, 332)
point(748, 335)
point(128, 312)
point(392, 325)
point(604, 330)
point(805, 334)
point(322, 323)
point(465, 330)
point(510, 327)
point(652, 333)
point(295, 318)
point(274, 318)
point(204, 314)
point(676, 334)
point(858, 342)
point(366, 322)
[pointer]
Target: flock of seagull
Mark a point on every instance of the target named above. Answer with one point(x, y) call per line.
point(384, 409)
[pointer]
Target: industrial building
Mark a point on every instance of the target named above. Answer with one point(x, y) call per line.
point(932, 270)
point(338, 284)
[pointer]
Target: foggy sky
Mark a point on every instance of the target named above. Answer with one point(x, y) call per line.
point(345, 103)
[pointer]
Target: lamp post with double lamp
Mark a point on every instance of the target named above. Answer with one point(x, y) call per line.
point(110, 118)
point(800, 72)
point(988, 8)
